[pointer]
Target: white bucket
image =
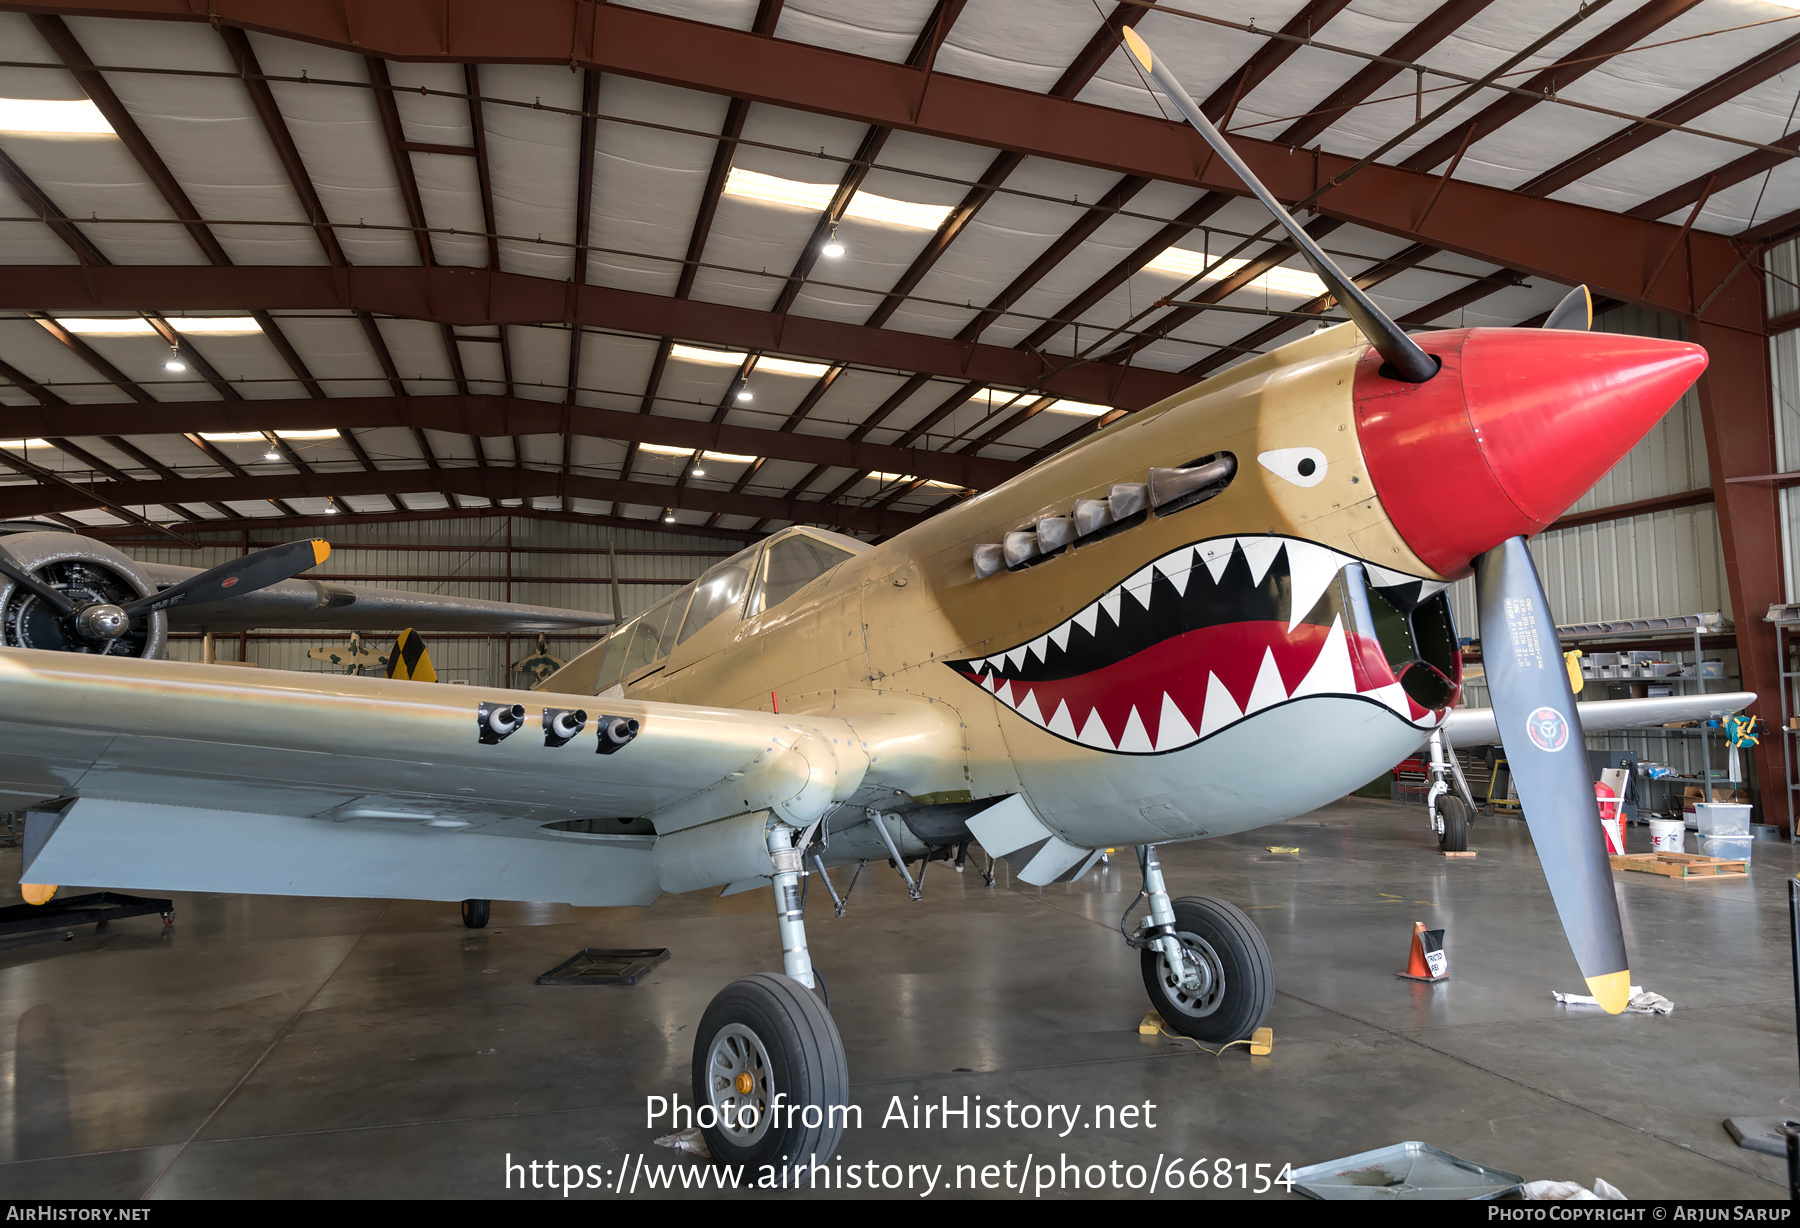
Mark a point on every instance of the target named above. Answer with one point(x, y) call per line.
point(1668, 835)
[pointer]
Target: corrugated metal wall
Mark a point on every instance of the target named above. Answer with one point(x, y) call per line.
point(468, 558)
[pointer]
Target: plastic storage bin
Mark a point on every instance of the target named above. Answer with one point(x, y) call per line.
point(1732, 848)
point(1728, 819)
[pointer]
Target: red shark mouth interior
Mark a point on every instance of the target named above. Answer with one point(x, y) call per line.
point(1214, 632)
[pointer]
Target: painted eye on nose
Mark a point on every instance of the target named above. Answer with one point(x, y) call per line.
point(1301, 466)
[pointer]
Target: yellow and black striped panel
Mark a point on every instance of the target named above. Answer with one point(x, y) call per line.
point(409, 659)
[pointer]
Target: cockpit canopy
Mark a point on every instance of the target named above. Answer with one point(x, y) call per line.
point(767, 574)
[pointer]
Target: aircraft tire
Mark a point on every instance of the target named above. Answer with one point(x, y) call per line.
point(774, 1030)
point(475, 913)
point(1243, 973)
point(1455, 813)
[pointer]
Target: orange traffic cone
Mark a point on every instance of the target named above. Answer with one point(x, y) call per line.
point(1427, 961)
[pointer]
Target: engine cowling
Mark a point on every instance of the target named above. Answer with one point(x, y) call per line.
point(89, 572)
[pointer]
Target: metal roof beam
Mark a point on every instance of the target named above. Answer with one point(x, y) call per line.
point(491, 484)
point(467, 296)
point(493, 416)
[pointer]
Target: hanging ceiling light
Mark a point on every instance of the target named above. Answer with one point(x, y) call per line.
point(744, 394)
point(272, 454)
point(832, 247)
point(174, 363)
point(668, 515)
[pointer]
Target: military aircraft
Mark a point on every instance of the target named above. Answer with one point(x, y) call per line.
point(129, 606)
point(1124, 646)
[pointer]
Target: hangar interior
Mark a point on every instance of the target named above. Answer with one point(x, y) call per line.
point(565, 302)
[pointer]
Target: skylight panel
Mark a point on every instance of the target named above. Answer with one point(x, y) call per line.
point(788, 366)
point(1184, 263)
point(134, 326)
point(1085, 408)
point(817, 197)
point(51, 117)
point(907, 477)
point(695, 353)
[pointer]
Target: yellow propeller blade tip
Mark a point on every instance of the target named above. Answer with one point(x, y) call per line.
point(1612, 991)
point(37, 893)
point(1138, 47)
point(321, 550)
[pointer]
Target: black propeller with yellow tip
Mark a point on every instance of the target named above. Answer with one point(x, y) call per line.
point(99, 623)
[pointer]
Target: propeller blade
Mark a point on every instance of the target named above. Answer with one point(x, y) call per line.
point(1547, 756)
point(1575, 312)
point(237, 577)
point(1405, 360)
point(60, 605)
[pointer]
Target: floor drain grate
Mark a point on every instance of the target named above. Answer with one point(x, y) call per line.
point(600, 966)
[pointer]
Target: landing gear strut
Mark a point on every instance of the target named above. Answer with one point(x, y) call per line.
point(768, 1060)
point(1449, 802)
point(1206, 967)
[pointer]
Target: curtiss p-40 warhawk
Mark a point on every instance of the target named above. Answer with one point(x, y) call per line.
point(1122, 646)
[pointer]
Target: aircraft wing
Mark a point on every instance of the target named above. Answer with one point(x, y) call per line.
point(161, 775)
point(327, 605)
point(1475, 726)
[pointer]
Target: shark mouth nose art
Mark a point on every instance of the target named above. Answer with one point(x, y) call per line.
point(1215, 632)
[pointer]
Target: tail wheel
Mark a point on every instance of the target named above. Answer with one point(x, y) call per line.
point(1455, 814)
point(1238, 983)
point(475, 913)
point(770, 1063)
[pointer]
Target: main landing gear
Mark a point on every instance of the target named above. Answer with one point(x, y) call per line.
point(769, 1069)
point(1206, 966)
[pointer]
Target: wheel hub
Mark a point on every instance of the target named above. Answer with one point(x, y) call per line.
point(740, 1083)
point(1206, 991)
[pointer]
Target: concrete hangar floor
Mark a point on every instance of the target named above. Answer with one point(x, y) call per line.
point(276, 1047)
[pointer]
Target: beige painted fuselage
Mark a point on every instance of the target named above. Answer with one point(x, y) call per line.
point(910, 624)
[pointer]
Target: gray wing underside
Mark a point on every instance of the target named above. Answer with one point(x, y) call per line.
point(1475, 726)
point(327, 605)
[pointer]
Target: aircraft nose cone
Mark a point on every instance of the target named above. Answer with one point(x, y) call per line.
point(1516, 427)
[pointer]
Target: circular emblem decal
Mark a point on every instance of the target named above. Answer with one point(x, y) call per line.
point(228, 581)
point(1547, 729)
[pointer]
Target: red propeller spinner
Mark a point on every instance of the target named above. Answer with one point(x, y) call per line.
point(1516, 427)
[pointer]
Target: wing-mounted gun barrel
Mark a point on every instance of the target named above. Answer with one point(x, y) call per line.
point(616, 732)
point(495, 723)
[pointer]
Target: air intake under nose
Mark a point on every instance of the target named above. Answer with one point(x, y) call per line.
point(1518, 426)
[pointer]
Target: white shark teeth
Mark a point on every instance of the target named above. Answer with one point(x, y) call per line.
point(1216, 554)
point(1176, 568)
point(1004, 694)
point(1311, 569)
point(1394, 696)
point(1060, 636)
point(1015, 657)
point(1060, 722)
point(1037, 648)
point(1135, 739)
point(1330, 673)
point(1259, 552)
point(1381, 577)
point(1139, 585)
point(1221, 709)
point(1094, 732)
point(1172, 727)
point(1110, 603)
point(1028, 708)
point(1269, 689)
point(1089, 618)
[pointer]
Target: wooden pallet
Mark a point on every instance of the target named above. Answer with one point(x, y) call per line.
point(1681, 865)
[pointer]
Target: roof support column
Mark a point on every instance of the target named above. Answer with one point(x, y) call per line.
point(1737, 410)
